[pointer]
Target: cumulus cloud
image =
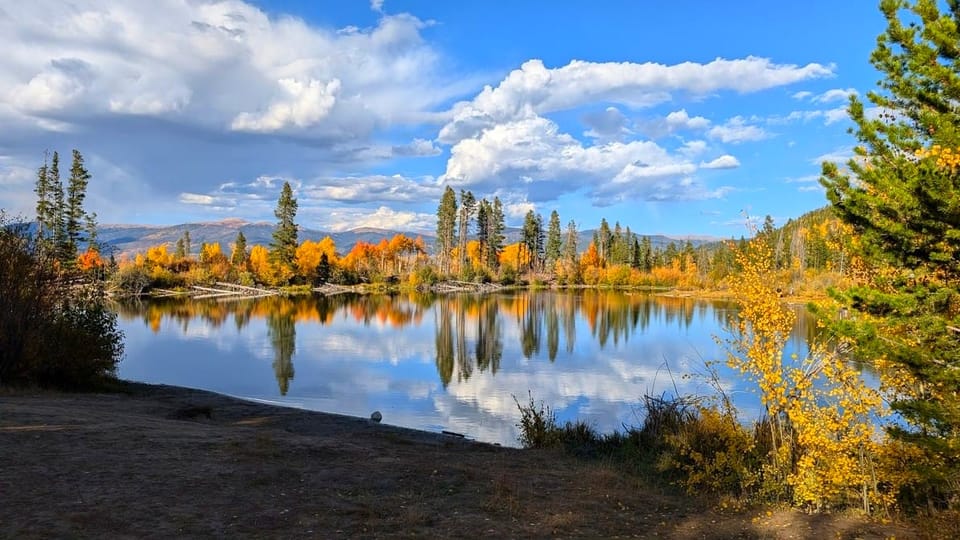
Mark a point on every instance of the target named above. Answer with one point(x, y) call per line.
point(534, 88)
point(184, 96)
point(367, 189)
point(196, 198)
point(533, 156)
point(303, 105)
point(224, 65)
point(692, 149)
point(607, 124)
point(835, 94)
point(674, 122)
point(381, 218)
point(737, 130)
point(725, 161)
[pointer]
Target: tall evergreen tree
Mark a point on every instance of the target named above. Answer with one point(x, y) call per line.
point(446, 228)
point(902, 195)
point(179, 251)
point(602, 239)
point(468, 205)
point(74, 215)
point(532, 239)
point(58, 209)
point(570, 243)
point(284, 246)
point(646, 254)
point(186, 242)
point(483, 229)
point(495, 236)
point(239, 256)
point(44, 202)
point(554, 242)
point(90, 227)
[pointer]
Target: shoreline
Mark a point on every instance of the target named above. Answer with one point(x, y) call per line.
point(158, 461)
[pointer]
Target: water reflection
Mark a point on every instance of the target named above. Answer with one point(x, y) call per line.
point(450, 362)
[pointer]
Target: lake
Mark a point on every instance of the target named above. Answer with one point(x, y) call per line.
point(442, 362)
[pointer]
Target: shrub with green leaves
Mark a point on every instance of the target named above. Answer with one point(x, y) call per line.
point(55, 329)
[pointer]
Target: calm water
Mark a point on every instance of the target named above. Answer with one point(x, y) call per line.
point(451, 362)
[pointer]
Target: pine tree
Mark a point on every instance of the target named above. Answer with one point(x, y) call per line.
point(532, 239)
point(603, 238)
point(180, 251)
point(90, 227)
point(446, 228)
point(646, 254)
point(495, 237)
point(570, 243)
point(902, 196)
point(283, 248)
point(74, 215)
point(186, 242)
point(554, 243)
point(468, 205)
point(57, 208)
point(483, 229)
point(44, 204)
point(239, 256)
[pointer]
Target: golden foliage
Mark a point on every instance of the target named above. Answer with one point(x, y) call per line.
point(89, 260)
point(819, 411)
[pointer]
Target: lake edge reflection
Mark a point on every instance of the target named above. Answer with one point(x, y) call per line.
point(431, 361)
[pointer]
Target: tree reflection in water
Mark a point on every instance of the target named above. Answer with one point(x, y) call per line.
point(469, 328)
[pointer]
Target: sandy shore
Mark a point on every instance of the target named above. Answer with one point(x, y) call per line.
point(163, 462)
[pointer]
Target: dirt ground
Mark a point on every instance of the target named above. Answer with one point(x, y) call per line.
point(163, 462)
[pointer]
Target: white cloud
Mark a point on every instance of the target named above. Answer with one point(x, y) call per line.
point(607, 124)
point(840, 155)
point(535, 89)
point(829, 116)
point(303, 106)
point(361, 189)
point(674, 122)
point(195, 198)
point(62, 82)
point(832, 116)
point(835, 94)
point(532, 156)
point(383, 217)
point(681, 120)
point(725, 161)
point(736, 130)
point(803, 94)
point(225, 65)
point(692, 149)
point(518, 209)
point(376, 5)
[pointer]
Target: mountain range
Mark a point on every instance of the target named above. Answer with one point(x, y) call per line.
point(129, 239)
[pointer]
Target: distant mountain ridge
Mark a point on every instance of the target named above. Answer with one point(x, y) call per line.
point(131, 238)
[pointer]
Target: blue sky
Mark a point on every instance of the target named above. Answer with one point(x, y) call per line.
point(670, 117)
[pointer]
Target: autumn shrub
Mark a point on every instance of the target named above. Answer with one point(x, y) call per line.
point(509, 274)
point(665, 276)
point(538, 424)
point(131, 280)
point(820, 439)
point(617, 276)
point(55, 329)
point(423, 277)
point(712, 451)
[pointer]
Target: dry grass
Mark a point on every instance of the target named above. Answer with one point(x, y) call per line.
point(121, 466)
